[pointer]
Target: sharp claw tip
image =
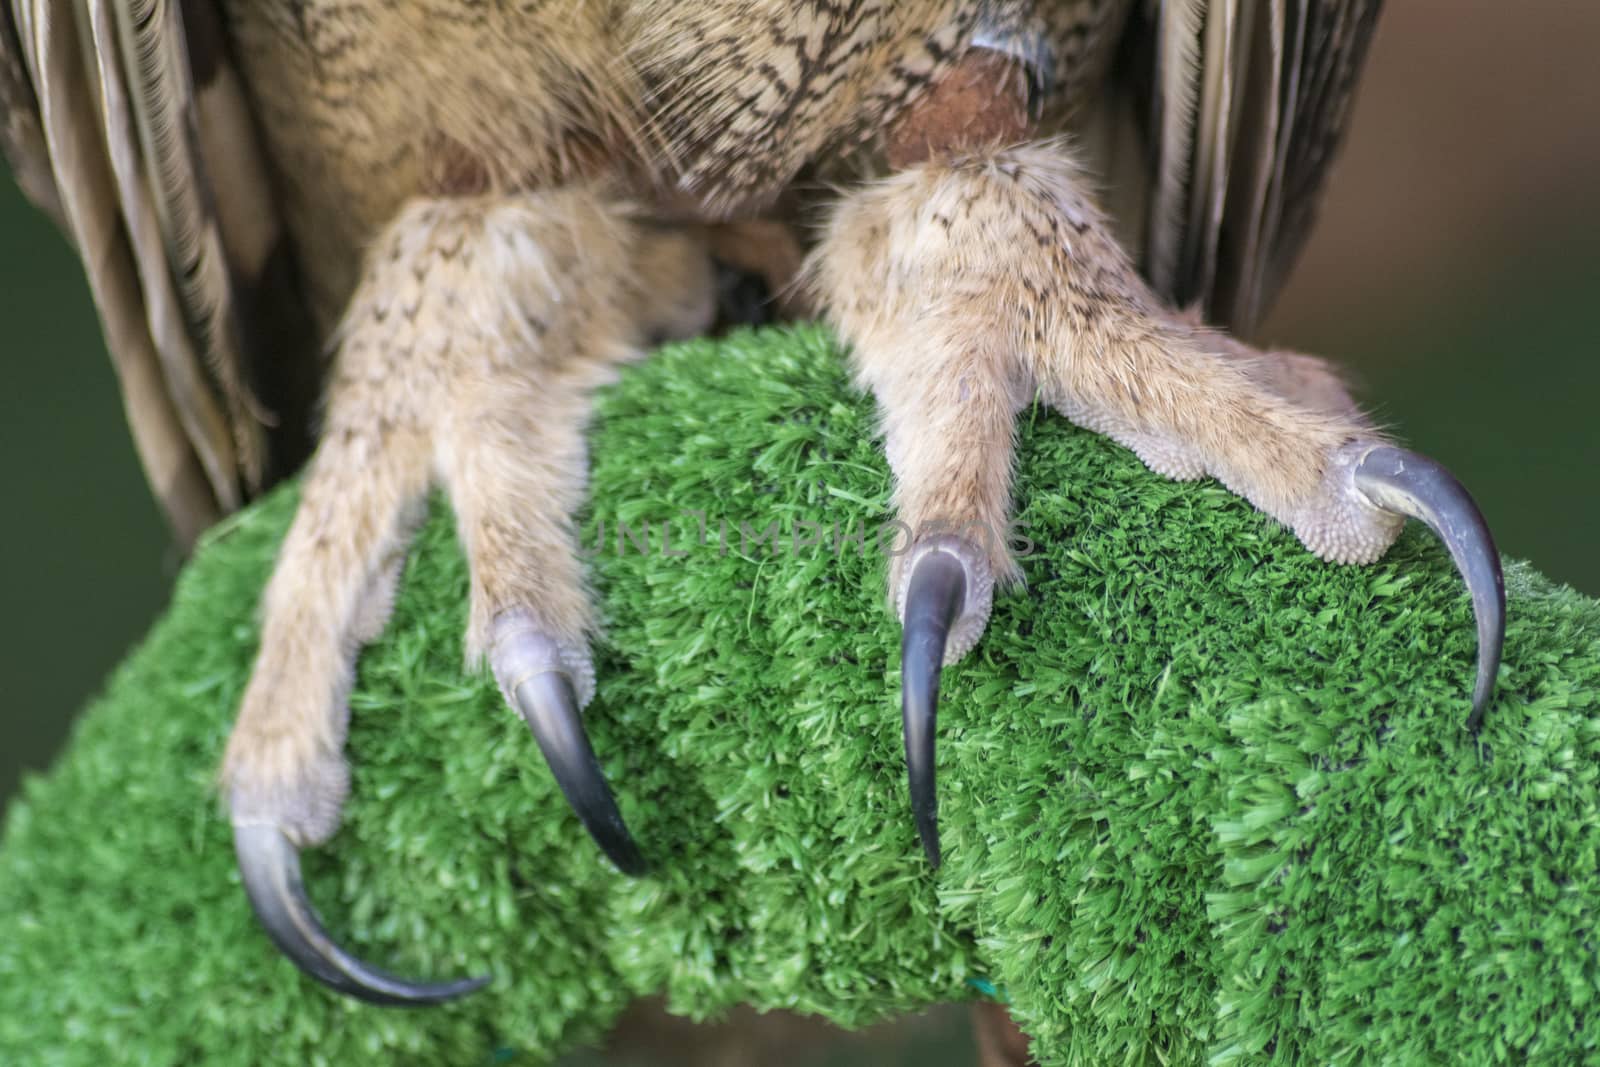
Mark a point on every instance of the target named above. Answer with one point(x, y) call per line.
point(549, 706)
point(925, 813)
point(1410, 484)
point(627, 858)
point(1482, 698)
point(269, 867)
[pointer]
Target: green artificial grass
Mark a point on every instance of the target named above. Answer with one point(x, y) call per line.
point(1204, 798)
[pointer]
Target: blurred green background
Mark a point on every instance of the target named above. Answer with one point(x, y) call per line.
point(1455, 271)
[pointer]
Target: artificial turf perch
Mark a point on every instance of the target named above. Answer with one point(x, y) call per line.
point(1204, 797)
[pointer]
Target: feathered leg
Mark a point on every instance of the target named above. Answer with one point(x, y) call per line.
point(468, 357)
point(967, 283)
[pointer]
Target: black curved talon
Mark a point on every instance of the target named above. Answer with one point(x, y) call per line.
point(269, 865)
point(1414, 485)
point(934, 594)
point(548, 704)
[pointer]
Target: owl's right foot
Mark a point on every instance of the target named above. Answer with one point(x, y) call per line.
point(468, 357)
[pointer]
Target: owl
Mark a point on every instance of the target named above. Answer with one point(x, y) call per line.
point(397, 245)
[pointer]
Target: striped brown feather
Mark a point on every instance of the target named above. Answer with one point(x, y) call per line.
point(1248, 106)
point(67, 112)
point(146, 147)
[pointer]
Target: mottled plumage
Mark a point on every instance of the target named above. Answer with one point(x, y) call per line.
point(726, 102)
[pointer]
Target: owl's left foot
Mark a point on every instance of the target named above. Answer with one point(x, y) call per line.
point(969, 285)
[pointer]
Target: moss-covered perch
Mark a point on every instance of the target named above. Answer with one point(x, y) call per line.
point(1204, 798)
